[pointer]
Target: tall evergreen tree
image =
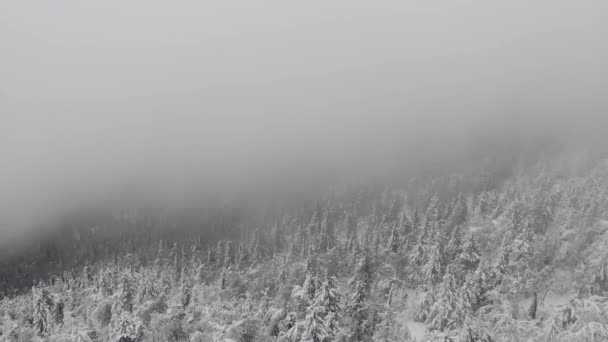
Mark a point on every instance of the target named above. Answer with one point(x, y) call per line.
point(448, 311)
point(328, 302)
point(394, 241)
point(469, 256)
point(42, 310)
point(358, 308)
point(431, 271)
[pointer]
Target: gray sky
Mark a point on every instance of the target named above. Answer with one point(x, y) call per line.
point(174, 93)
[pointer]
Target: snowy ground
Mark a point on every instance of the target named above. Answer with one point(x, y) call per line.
point(475, 229)
point(418, 330)
point(553, 300)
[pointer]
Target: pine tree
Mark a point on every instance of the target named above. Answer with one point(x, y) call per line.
point(177, 266)
point(161, 250)
point(107, 281)
point(87, 276)
point(293, 329)
point(469, 257)
point(301, 243)
point(521, 252)
point(227, 260)
point(476, 286)
point(244, 256)
point(327, 236)
point(418, 255)
point(283, 273)
point(449, 310)
point(314, 328)
point(458, 215)
point(406, 232)
point(432, 210)
point(127, 328)
point(533, 306)
point(310, 285)
point(126, 294)
point(211, 260)
point(599, 276)
point(454, 246)
point(258, 252)
point(427, 301)
point(314, 227)
point(415, 220)
point(351, 227)
point(194, 257)
point(200, 273)
point(358, 308)
point(472, 332)
point(149, 288)
point(387, 329)
point(393, 213)
point(185, 294)
point(328, 302)
point(223, 280)
point(431, 271)
point(43, 304)
point(58, 311)
point(502, 267)
point(393, 242)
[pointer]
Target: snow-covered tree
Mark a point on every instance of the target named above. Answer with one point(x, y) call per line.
point(394, 241)
point(127, 328)
point(469, 256)
point(388, 329)
point(327, 302)
point(431, 271)
point(448, 311)
point(358, 307)
point(42, 309)
point(314, 325)
point(127, 293)
point(454, 247)
point(580, 320)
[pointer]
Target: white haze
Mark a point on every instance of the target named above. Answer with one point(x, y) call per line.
point(175, 95)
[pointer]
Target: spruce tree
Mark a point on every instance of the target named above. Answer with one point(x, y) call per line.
point(126, 293)
point(454, 246)
point(358, 308)
point(393, 242)
point(387, 328)
point(328, 302)
point(449, 310)
point(58, 311)
point(314, 327)
point(432, 271)
point(43, 304)
point(470, 256)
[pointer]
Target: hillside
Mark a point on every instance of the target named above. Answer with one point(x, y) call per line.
point(521, 256)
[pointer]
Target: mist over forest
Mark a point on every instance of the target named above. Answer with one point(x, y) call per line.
point(315, 171)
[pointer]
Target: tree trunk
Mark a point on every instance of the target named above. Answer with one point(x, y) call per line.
point(533, 306)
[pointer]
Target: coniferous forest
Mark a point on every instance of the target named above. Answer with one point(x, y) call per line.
point(488, 256)
point(303, 171)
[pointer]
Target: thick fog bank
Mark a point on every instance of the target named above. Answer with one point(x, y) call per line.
point(278, 102)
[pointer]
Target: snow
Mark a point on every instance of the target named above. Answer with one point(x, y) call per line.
point(418, 330)
point(474, 229)
point(553, 300)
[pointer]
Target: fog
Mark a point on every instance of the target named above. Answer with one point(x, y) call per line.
point(177, 97)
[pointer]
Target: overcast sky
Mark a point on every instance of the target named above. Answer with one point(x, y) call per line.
point(96, 94)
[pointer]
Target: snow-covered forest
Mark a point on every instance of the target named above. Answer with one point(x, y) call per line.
point(480, 257)
point(303, 171)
